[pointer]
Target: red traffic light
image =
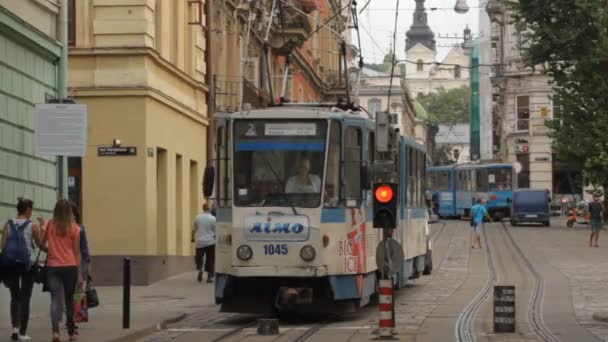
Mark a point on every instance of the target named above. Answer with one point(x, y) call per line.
point(384, 194)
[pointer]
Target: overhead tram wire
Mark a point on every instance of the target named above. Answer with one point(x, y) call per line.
point(393, 59)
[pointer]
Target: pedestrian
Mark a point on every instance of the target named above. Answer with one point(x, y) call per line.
point(478, 212)
point(595, 215)
point(63, 273)
point(203, 234)
point(18, 237)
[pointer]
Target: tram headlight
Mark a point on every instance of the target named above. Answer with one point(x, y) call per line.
point(308, 253)
point(244, 252)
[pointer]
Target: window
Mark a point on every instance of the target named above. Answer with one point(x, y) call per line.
point(482, 180)
point(374, 106)
point(223, 167)
point(420, 178)
point(332, 183)
point(457, 72)
point(523, 113)
point(420, 65)
point(279, 162)
point(71, 22)
point(411, 173)
point(352, 163)
point(371, 153)
point(500, 178)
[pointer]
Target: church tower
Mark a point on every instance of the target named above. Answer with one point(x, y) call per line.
point(420, 32)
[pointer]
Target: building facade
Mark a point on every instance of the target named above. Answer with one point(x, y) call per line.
point(139, 66)
point(454, 142)
point(522, 100)
point(30, 58)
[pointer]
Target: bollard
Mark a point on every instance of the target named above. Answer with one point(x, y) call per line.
point(386, 324)
point(126, 293)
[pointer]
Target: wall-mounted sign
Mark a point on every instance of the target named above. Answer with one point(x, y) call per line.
point(541, 159)
point(521, 141)
point(61, 129)
point(117, 151)
point(522, 149)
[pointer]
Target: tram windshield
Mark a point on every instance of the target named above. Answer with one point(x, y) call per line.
point(279, 163)
point(500, 178)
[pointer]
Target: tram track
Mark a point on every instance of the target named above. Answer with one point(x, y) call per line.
point(535, 311)
point(464, 325)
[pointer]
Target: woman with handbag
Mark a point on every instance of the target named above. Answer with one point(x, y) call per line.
point(63, 271)
point(18, 238)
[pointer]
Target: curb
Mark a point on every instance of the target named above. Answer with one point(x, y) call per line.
point(135, 335)
point(601, 316)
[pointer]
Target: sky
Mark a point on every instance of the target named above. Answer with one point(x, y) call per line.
point(378, 19)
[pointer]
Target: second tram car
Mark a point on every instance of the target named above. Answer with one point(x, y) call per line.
point(294, 218)
point(458, 187)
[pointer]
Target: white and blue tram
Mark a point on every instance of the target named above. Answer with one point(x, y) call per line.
point(294, 219)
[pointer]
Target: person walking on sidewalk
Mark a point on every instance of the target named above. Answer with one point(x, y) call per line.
point(203, 234)
point(18, 237)
point(64, 273)
point(84, 243)
point(595, 215)
point(478, 212)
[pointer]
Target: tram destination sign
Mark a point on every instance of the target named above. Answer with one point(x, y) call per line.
point(116, 151)
point(504, 309)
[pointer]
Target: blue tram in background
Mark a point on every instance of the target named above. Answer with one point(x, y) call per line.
point(455, 189)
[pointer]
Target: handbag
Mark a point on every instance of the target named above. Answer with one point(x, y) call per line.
point(39, 271)
point(91, 292)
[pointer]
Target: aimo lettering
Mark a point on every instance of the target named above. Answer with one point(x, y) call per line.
point(279, 228)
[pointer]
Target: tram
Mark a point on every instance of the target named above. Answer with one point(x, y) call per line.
point(294, 220)
point(458, 187)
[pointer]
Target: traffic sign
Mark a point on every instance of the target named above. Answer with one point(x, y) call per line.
point(395, 256)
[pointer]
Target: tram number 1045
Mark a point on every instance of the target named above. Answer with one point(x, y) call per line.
point(275, 249)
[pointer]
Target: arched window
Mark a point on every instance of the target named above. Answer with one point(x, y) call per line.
point(457, 72)
point(420, 65)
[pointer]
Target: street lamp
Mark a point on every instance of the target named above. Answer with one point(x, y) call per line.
point(461, 6)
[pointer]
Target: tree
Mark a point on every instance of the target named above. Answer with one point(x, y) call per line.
point(569, 41)
point(445, 107)
point(448, 107)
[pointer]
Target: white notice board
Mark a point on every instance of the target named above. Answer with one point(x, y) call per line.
point(61, 129)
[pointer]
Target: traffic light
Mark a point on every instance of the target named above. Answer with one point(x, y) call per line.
point(385, 205)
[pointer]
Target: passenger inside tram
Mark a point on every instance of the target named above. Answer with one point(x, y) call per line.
point(331, 198)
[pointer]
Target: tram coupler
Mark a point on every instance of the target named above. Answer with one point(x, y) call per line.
point(294, 295)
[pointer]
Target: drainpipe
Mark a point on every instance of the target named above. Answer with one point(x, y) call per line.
point(210, 96)
point(62, 89)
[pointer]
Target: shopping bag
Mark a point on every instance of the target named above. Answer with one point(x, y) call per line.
point(81, 312)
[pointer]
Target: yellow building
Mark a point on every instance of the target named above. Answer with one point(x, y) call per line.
point(140, 67)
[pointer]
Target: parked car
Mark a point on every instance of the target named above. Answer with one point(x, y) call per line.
point(531, 206)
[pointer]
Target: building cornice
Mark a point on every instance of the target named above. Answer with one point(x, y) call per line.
point(140, 91)
point(140, 51)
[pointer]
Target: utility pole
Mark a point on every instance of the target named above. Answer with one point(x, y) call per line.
point(62, 89)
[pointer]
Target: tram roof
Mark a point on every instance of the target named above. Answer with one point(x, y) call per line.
point(293, 112)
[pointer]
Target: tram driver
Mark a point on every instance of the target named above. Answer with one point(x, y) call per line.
point(303, 181)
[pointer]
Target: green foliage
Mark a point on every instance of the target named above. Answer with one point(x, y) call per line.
point(569, 40)
point(448, 107)
point(386, 63)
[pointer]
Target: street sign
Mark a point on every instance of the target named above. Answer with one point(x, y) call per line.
point(396, 256)
point(61, 129)
point(504, 309)
point(116, 151)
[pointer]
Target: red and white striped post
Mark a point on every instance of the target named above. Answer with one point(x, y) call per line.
point(386, 323)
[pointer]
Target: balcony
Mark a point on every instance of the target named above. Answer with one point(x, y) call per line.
point(292, 29)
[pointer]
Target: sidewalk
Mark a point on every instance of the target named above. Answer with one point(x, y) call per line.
point(167, 300)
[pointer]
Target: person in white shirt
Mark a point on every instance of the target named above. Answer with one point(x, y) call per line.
point(203, 234)
point(303, 181)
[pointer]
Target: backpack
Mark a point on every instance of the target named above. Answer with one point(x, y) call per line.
point(16, 252)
